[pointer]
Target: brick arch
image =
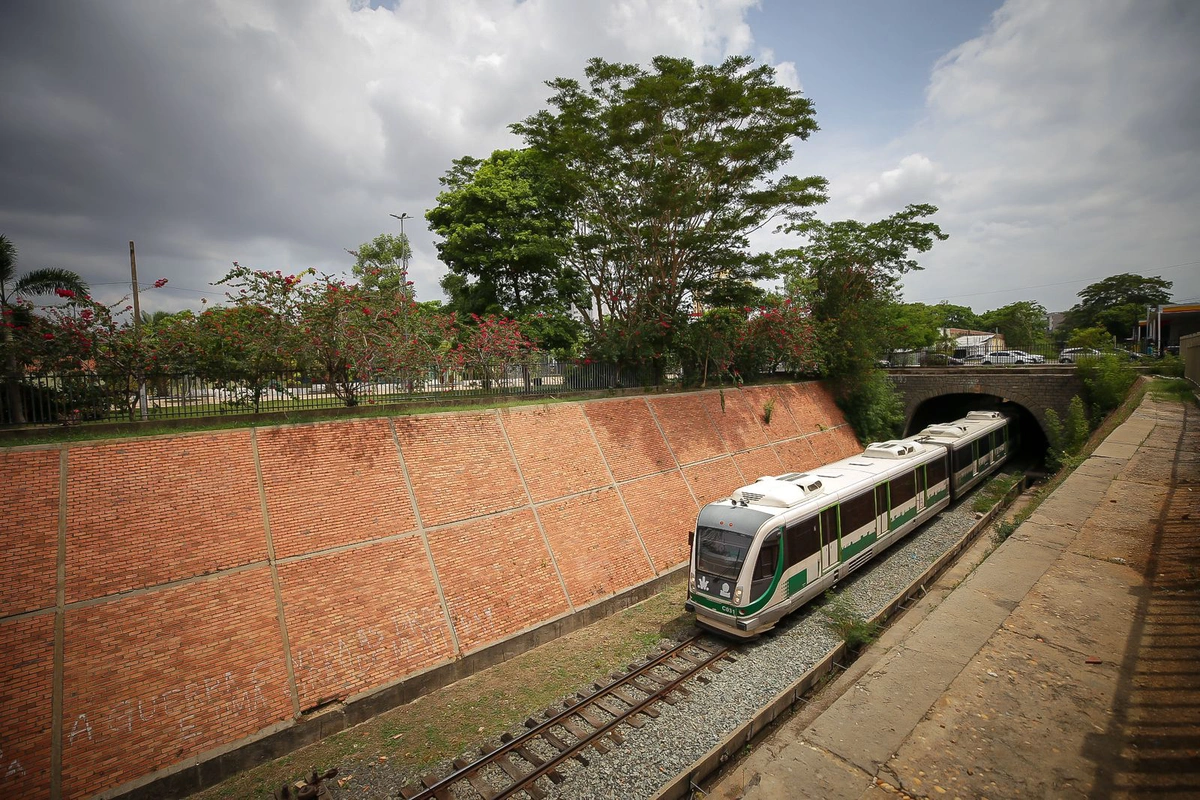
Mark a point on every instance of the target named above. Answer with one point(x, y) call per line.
point(1035, 390)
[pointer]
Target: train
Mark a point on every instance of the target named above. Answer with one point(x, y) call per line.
point(775, 544)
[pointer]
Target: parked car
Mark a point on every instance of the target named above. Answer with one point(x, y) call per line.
point(1072, 354)
point(1012, 357)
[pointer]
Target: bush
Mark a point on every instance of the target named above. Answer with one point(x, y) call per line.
point(1170, 365)
point(873, 407)
point(850, 625)
point(1055, 454)
point(1106, 381)
point(1066, 438)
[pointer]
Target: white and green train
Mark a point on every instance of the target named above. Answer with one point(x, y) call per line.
point(776, 543)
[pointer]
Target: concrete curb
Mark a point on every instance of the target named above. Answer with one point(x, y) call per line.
point(683, 783)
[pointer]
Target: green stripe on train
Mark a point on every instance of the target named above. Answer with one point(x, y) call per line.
point(907, 516)
point(797, 582)
point(848, 551)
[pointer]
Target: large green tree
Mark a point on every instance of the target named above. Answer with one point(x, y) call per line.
point(504, 227)
point(1024, 324)
point(45, 281)
point(382, 263)
point(952, 316)
point(849, 271)
point(1118, 302)
point(667, 170)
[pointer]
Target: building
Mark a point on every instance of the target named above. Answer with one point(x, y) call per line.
point(969, 343)
point(1164, 325)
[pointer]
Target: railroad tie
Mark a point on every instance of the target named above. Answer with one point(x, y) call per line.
point(431, 780)
point(642, 686)
point(533, 758)
point(515, 772)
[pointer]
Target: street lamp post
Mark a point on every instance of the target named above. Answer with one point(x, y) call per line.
point(403, 239)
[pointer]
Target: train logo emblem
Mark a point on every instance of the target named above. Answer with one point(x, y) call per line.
point(724, 590)
point(702, 583)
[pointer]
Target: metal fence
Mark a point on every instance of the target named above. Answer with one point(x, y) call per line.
point(65, 398)
point(992, 355)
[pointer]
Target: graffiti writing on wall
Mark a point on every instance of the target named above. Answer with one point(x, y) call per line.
point(358, 659)
point(186, 710)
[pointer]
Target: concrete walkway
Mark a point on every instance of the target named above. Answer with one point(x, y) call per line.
point(1066, 664)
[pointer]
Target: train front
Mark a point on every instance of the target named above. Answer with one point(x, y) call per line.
point(724, 543)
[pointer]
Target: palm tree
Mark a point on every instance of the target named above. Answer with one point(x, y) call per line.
point(38, 282)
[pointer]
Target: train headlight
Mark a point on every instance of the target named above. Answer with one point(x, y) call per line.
point(691, 583)
point(737, 596)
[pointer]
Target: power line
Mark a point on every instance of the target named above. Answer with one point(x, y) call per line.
point(1048, 285)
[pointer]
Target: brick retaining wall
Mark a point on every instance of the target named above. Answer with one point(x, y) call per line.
point(164, 599)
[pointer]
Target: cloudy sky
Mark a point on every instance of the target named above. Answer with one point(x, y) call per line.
point(1060, 138)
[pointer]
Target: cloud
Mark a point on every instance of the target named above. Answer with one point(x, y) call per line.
point(914, 177)
point(279, 133)
point(1062, 144)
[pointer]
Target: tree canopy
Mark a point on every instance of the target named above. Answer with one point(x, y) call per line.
point(849, 271)
point(504, 227)
point(666, 172)
point(1117, 302)
point(1024, 324)
point(382, 263)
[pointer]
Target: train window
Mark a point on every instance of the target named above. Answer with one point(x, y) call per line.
point(963, 459)
point(881, 498)
point(985, 445)
point(936, 471)
point(720, 552)
point(919, 474)
point(904, 489)
point(801, 540)
point(764, 568)
point(858, 511)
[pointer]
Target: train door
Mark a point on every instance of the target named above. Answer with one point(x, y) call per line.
point(883, 514)
point(831, 544)
point(922, 485)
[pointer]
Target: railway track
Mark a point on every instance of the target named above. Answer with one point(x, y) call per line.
point(586, 720)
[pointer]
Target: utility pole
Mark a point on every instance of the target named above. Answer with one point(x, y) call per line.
point(137, 326)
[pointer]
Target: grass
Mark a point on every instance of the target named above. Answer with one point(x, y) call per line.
point(993, 491)
point(473, 712)
point(1177, 390)
point(848, 623)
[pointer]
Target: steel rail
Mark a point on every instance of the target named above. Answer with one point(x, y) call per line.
point(523, 784)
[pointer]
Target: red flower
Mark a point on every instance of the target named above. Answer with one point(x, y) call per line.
point(161, 282)
point(47, 335)
point(64, 293)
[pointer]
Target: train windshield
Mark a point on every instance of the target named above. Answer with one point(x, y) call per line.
point(721, 552)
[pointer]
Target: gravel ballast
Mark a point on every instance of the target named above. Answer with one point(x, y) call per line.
point(683, 733)
point(686, 731)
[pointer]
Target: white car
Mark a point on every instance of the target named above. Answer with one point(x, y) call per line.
point(1012, 357)
point(1072, 354)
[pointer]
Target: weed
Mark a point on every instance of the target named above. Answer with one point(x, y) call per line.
point(1175, 390)
point(993, 491)
point(1004, 530)
point(847, 622)
point(768, 410)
